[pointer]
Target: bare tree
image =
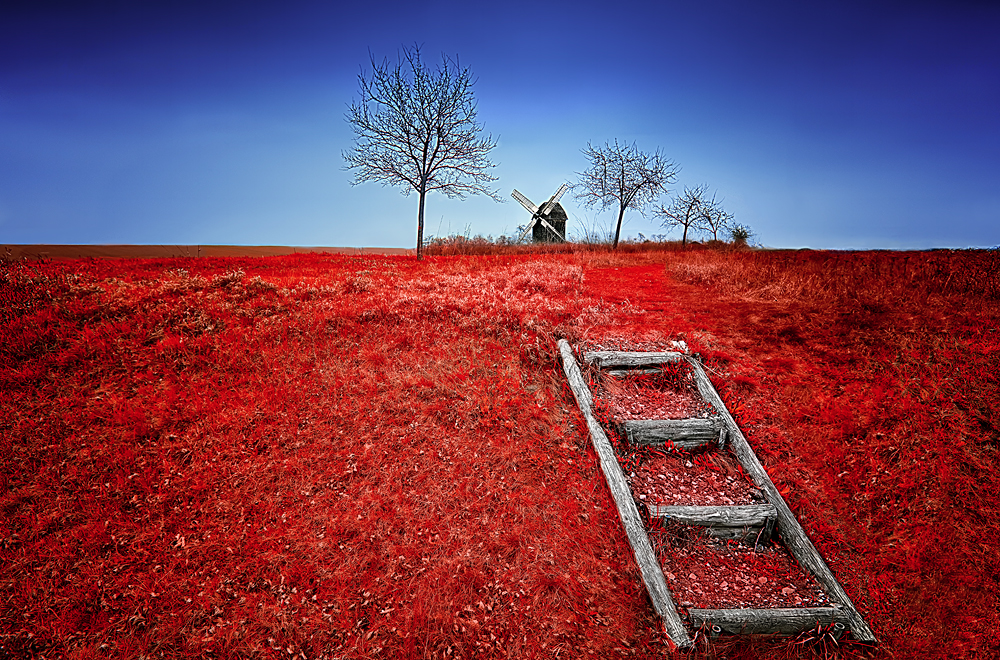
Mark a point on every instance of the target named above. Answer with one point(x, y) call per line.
point(622, 174)
point(416, 128)
point(714, 218)
point(686, 211)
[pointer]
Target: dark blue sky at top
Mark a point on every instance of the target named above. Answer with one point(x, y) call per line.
point(827, 125)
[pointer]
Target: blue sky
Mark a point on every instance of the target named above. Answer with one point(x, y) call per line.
point(820, 124)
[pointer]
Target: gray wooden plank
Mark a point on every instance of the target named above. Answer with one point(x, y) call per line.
point(784, 621)
point(628, 359)
point(754, 521)
point(688, 434)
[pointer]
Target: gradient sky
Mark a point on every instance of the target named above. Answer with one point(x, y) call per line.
point(820, 124)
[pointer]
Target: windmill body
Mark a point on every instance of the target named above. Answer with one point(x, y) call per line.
point(548, 222)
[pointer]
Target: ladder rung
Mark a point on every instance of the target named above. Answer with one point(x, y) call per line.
point(628, 359)
point(723, 522)
point(688, 433)
point(786, 621)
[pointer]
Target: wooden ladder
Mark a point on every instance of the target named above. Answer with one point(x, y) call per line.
point(720, 521)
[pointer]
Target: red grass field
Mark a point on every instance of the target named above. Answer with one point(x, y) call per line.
point(337, 457)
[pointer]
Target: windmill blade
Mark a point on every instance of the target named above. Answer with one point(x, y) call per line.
point(534, 219)
point(552, 229)
point(555, 198)
point(525, 202)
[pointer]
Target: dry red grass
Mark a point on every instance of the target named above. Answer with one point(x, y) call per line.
point(357, 457)
point(867, 384)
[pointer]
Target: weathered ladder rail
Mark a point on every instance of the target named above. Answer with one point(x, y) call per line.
point(788, 526)
point(645, 557)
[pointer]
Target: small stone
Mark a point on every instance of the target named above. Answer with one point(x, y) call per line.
point(671, 576)
point(762, 580)
point(693, 576)
point(787, 590)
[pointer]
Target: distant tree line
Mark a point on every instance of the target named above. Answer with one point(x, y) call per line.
point(416, 128)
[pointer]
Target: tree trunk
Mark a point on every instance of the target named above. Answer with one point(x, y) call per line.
point(684, 239)
point(618, 230)
point(420, 226)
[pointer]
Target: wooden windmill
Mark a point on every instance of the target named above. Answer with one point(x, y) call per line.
point(545, 219)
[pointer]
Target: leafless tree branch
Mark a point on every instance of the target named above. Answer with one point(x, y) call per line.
point(686, 211)
point(416, 128)
point(622, 175)
point(714, 218)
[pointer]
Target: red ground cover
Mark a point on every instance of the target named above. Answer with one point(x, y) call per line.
point(359, 457)
point(733, 575)
point(642, 397)
point(711, 478)
point(867, 384)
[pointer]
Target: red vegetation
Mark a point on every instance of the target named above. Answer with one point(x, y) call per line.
point(867, 385)
point(733, 575)
point(646, 397)
point(711, 478)
point(362, 457)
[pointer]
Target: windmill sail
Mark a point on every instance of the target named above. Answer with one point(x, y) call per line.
point(531, 224)
point(552, 229)
point(554, 199)
point(525, 202)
